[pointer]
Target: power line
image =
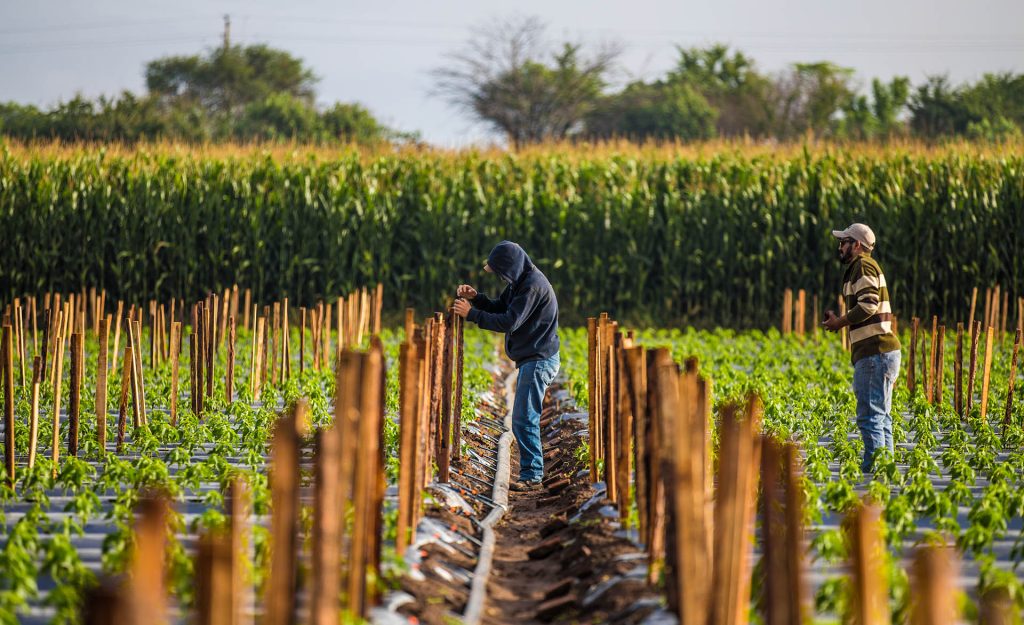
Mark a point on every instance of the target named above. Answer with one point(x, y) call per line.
point(100, 25)
point(85, 45)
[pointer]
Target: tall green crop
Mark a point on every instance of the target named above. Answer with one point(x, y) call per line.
point(644, 235)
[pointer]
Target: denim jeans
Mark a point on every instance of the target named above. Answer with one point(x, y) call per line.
point(534, 377)
point(873, 379)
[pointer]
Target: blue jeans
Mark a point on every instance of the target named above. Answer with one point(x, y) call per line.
point(534, 377)
point(873, 379)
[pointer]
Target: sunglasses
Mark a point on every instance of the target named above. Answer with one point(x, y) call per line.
point(847, 241)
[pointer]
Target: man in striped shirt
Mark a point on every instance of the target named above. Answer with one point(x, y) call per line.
point(874, 347)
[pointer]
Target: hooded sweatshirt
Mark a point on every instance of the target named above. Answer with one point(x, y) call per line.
point(526, 311)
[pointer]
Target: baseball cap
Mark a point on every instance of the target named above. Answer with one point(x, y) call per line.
point(857, 232)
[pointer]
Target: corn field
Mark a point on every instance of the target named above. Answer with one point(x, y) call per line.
point(655, 236)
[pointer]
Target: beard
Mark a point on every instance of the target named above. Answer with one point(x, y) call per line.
point(846, 256)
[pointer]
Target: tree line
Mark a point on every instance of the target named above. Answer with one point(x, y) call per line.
point(530, 89)
point(231, 93)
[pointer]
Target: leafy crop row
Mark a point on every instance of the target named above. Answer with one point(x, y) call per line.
point(950, 481)
point(44, 519)
point(652, 236)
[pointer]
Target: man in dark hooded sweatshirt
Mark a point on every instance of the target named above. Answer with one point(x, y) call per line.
point(527, 312)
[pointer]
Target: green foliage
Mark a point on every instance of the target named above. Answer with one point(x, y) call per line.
point(660, 239)
point(235, 93)
point(661, 110)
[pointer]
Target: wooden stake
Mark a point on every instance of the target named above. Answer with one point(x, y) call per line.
point(7, 352)
point(138, 396)
point(787, 311)
point(870, 596)
point(408, 408)
point(122, 405)
point(445, 449)
point(1008, 415)
point(974, 301)
point(117, 335)
point(101, 384)
point(275, 338)
point(328, 519)
point(958, 372)
point(57, 383)
point(636, 385)
point(986, 373)
point(624, 436)
point(378, 307)
point(914, 324)
point(997, 608)
point(286, 365)
point(930, 382)
point(147, 568)
point(239, 507)
point(782, 535)
point(302, 339)
point(229, 379)
point(258, 358)
point(460, 357)
point(934, 589)
point(47, 322)
point(975, 332)
point(592, 389)
point(284, 520)
point(19, 332)
point(939, 365)
point(175, 365)
point(844, 332)
point(365, 538)
point(33, 424)
point(225, 313)
point(76, 393)
point(656, 360)
point(214, 600)
point(210, 343)
point(734, 508)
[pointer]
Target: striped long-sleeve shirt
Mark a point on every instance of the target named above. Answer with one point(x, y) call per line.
point(868, 309)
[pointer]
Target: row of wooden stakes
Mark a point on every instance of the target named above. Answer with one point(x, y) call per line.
point(345, 542)
point(356, 315)
point(348, 493)
point(212, 325)
point(653, 420)
point(996, 313)
point(431, 365)
point(932, 366)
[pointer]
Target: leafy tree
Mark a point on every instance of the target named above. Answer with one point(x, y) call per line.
point(506, 78)
point(878, 117)
point(351, 122)
point(662, 110)
point(252, 92)
point(809, 97)
point(997, 96)
point(937, 108)
point(731, 84)
point(228, 79)
point(278, 116)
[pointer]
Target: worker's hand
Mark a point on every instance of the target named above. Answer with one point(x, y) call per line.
point(462, 307)
point(833, 323)
point(466, 291)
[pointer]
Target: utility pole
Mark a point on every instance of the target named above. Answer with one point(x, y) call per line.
point(227, 32)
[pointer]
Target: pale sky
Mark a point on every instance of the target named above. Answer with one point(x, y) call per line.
point(380, 53)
